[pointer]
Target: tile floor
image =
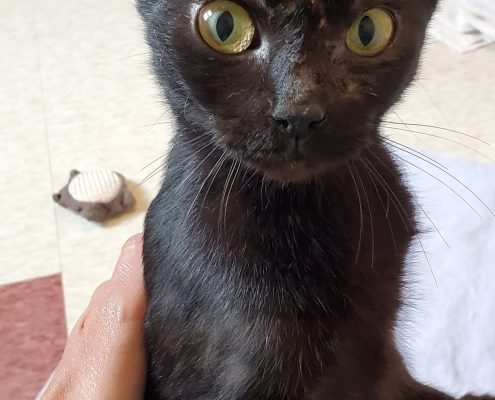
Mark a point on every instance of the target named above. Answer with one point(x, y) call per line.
point(75, 92)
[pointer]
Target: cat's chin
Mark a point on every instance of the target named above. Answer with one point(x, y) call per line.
point(300, 170)
point(293, 173)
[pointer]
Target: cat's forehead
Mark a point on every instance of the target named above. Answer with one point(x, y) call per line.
point(293, 5)
point(321, 8)
point(330, 7)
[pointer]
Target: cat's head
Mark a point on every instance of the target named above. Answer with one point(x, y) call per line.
point(289, 87)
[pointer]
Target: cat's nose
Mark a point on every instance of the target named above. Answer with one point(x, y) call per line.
point(298, 121)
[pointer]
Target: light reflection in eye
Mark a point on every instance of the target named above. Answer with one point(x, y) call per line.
point(207, 15)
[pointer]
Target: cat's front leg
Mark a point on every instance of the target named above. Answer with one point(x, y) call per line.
point(471, 397)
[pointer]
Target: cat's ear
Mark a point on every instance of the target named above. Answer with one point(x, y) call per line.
point(141, 5)
point(144, 6)
point(434, 3)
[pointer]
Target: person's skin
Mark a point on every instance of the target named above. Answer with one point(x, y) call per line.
point(104, 358)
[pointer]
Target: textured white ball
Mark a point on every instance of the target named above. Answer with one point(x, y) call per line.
point(98, 186)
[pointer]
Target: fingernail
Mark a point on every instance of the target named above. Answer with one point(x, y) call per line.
point(133, 241)
point(129, 254)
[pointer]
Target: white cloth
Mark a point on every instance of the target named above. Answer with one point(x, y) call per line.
point(447, 333)
point(465, 25)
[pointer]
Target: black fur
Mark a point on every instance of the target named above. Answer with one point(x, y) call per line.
point(274, 273)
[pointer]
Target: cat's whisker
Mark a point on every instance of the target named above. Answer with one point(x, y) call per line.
point(438, 128)
point(409, 129)
point(400, 119)
point(123, 58)
point(444, 138)
point(261, 191)
point(442, 182)
point(426, 214)
point(199, 165)
point(223, 157)
point(414, 152)
point(269, 191)
point(152, 174)
point(370, 215)
point(232, 183)
point(155, 124)
point(224, 193)
point(417, 236)
point(426, 160)
point(246, 182)
point(246, 90)
point(370, 174)
point(185, 105)
point(151, 126)
point(450, 188)
point(163, 166)
point(395, 200)
point(196, 139)
point(204, 144)
point(427, 259)
point(153, 162)
point(234, 177)
point(419, 205)
point(212, 170)
point(360, 212)
point(267, 194)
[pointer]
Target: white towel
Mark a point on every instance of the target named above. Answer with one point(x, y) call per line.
point(465, 25)
point(481, 15)
point(448, 337)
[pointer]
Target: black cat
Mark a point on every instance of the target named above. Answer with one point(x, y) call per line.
point(274, 252)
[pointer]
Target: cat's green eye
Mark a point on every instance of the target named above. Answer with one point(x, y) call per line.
point(371, 33)
point(226, 26)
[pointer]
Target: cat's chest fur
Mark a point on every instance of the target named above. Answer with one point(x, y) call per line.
point(262, 291)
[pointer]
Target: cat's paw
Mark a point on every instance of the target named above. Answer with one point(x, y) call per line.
point(471, 397)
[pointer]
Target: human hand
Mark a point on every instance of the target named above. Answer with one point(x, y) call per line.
point(104, 357)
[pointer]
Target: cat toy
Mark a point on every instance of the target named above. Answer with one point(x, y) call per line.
point(96, 195)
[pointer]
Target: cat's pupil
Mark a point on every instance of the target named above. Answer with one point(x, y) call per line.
point(366, 31)
point(225, 26)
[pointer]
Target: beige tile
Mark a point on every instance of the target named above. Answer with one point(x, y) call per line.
point(454, 91)
point(415, 108)
point(27, 233)
point(99, 96)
